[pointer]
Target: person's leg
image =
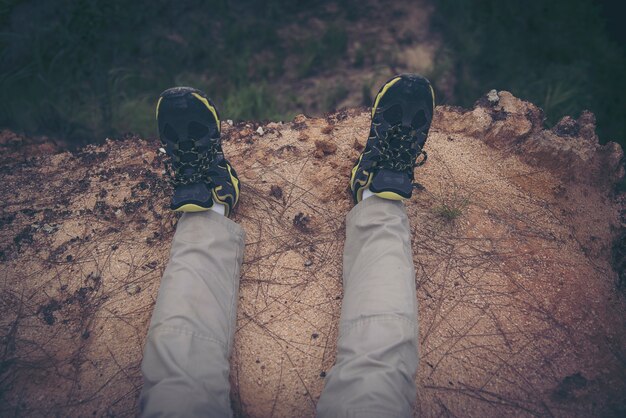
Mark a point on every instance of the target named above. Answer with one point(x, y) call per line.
point(185, 364)
point(377, 345)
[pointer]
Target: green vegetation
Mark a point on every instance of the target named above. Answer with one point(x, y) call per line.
point(87, 69)
point(556, 54)
point(451, 207)
point(449, 213)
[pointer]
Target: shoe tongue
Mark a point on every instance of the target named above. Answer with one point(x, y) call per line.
point(391, 181)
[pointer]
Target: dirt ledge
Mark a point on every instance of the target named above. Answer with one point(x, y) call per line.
point(513, 232)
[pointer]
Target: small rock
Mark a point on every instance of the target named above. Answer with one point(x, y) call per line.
point(307, 263)
point(133, 289)
point(260, 131)
point(162, 150)
point(230, 122)
point(493, 97)
point(48, 229)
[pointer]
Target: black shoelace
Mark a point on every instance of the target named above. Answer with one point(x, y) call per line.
point(399, 150)
point(184, 170)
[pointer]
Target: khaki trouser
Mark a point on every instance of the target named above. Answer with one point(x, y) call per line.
point(185, 364)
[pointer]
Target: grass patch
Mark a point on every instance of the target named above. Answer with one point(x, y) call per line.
point(254, 101)
point(450, 211)
point(447, 212)
point(450, 203)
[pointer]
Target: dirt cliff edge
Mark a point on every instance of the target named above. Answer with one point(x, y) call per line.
point(513, 228)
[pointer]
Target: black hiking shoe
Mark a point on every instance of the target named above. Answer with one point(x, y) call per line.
point(401, 117)
point(189, 128)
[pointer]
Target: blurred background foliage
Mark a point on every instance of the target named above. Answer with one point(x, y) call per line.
point(82, 70)
point(558, 54)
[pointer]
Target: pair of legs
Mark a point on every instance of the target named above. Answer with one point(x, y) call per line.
point(186, 358)
point(186, 366)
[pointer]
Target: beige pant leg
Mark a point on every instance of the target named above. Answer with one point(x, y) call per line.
point(186, 356)
point(377, 346)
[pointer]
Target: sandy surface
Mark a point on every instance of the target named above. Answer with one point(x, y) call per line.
point(518, 307)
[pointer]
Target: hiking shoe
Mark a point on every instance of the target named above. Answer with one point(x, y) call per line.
point(401, 117)
point(189, 128)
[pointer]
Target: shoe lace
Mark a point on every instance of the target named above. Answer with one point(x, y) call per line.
point(181, 169)
point(399, 150)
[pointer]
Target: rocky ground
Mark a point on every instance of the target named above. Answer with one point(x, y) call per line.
point(516, 237)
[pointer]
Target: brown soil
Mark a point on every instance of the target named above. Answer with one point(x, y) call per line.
point(512, 235)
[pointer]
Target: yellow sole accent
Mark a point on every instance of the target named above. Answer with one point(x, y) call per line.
point(389, 196)
point(235, 182)
point(217, 199)
point(220, 199)
point(359, 193)
point(211, 108)
point(157, 107)
point(382, 93)
point(354, 170)
point(191, 208)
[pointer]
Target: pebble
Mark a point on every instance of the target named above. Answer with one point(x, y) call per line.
point(307, 263)
point(133, 289)
point(260, 131)
point(162, 150)
point(493, 97)
point(230, 122)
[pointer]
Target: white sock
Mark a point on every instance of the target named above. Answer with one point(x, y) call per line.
point(219, 208)
point(367, 193)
